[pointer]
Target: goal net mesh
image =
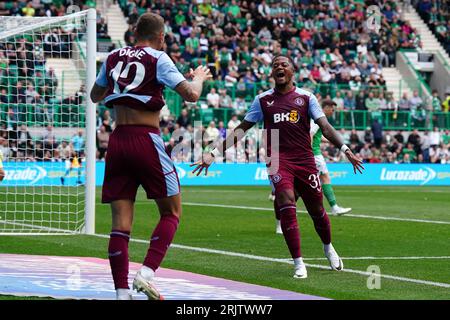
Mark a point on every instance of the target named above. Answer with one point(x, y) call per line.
point(42, 122)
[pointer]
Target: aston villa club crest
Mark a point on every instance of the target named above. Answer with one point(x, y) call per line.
point(276, 178)
point(299, 101)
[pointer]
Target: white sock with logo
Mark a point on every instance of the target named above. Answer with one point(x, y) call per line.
point(147, 273)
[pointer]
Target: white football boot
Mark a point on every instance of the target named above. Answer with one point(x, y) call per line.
point(333, 258)
point(300, 269)
point(141, 284)
point(338, 211)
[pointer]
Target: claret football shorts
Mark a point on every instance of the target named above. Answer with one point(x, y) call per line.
point(137, 156)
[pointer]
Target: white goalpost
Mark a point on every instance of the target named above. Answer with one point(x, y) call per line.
point(48, 124)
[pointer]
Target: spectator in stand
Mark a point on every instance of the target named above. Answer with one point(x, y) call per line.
point(373, 105)
point(225, 100)
point(222, 130)
point(410, 152)
point(212, 98)
point(414, 139)
point(15, 10)
point(345, 136)
point(441, 154)
point(435, 137)
point(377, 130)
point(354, 138)
point(49, 136)
point(415, 100)
point(446, 137)
point(365, 153)
point(360, 101)
point(349, 101)
point(368, 136)
point(184, 120)
point(239, 105)
point(24, 139)
point(339, 101)
point(102, 29)
point(165, 135)
point(234, 122)
point(211, 133)
point(64, 150)
point(404, 104)
point(28, 10)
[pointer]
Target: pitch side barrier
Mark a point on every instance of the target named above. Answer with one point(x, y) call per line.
point(246, 174)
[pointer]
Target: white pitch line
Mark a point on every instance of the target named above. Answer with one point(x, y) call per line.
point(288, 261)
point(384, 258)
point(14, 233)
point(303, 211)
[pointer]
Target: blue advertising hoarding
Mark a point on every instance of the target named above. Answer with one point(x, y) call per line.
point(50, 173)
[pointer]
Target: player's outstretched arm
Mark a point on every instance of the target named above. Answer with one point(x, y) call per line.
point(335, 138)
point(208, 158)
point(191, 91)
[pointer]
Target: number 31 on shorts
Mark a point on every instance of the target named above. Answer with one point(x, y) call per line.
point(315, 182)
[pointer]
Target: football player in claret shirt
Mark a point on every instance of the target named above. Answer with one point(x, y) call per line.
point(289, 109)
point(131, 81)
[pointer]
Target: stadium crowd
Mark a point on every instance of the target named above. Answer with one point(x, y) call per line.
point(328, 41)
point(436, 14)
point(337, 58)
point(373, 145)
point(25, 77)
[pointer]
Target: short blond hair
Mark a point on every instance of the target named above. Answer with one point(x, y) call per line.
point(149, 26)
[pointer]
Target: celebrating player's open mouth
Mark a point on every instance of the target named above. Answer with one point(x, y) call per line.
point(281, 72)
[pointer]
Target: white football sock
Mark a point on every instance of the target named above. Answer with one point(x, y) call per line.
point(123, 293)
point(328, 247)
point(147, 273)
point(335, 207)
point(298, 261)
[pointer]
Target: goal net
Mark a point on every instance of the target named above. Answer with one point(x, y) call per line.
point(47, 123)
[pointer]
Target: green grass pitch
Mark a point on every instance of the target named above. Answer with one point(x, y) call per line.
point(232, 228)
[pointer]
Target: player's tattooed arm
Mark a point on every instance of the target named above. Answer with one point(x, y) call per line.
point(329, 132)
point(335, 138)
point(187, 92)
point(208, 158)
point(98, 93)
point(191, 91)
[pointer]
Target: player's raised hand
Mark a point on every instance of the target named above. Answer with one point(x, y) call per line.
point(206, 161)
point(356, 162)
point(201, 72)
point(190, 75)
